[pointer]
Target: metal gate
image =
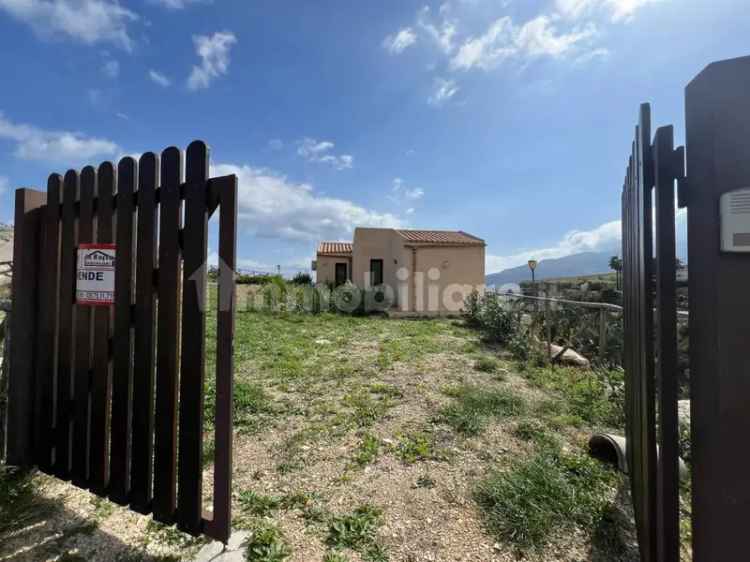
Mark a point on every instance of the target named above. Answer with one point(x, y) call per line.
point(112, 397)
point(649, 266)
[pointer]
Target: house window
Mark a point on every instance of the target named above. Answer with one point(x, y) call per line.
point(341, 275)
point(376, 273)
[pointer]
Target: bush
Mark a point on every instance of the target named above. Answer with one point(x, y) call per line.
point(472, 309)
point(486, 365)
point(242, 279)
point(301, 278)
point(497, 322)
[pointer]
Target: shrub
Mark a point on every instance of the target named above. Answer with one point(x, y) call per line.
point(302, 278)
point(486, 365)
point(497, 322)
point(549, 492)
point(472, 309)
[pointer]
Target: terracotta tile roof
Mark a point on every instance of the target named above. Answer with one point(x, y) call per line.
point(335, 249)
point(441, 237)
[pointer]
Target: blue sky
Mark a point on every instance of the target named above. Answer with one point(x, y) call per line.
point(508, 119)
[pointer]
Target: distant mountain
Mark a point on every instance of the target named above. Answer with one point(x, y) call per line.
point(586, 263)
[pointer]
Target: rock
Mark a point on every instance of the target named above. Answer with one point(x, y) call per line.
point(237, 539)
point(209, 552)
point(233, 556)
point(570, 357)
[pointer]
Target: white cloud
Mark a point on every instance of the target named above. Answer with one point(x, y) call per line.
point(618, 10)
point(176, 4)
point(604, 237)
point(159, 78)
point(400, 191)
point(442, 33)
point(214, 54)
point(276, 144)
point(320, 151)
point(88, 21)
point(398, 43)
point(65, 147)
point(111, 69)
point(503, 40)
point(274, 207)
point(443, 90)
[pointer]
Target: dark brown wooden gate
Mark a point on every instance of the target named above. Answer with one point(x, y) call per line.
point(112, 397)
point(649, 261)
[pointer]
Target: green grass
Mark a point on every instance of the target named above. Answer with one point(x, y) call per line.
point(260, 505)
point(335, 557)
point(474, 407)
point(486, 365)
point(596, 397)
point(358, 531)
point(543, 496)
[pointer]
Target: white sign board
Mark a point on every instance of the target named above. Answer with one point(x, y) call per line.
point(95, 275)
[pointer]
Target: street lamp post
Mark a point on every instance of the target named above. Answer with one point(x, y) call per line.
point(532, 267)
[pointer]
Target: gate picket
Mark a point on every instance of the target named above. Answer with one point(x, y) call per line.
point(192, 371)
point(165, 440)
point(101, 386)
point(81, 383)
point(48, 325)
point(143, 372)
point(67, 323)
point(122, 378)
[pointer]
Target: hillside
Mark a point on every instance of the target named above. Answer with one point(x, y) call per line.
point(586, 263)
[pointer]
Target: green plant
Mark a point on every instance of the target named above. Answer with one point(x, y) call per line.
point(301, 278)
point(267, 544)
point(368, 450)
point(549, 492)
point(417, 446)
point(249, 401)
point(358, 531)
point(474, 406)
point(425, 481)
point(17, 497)
point(257, 504)
point(472, 309)
point(486, 365)
point(498, 322)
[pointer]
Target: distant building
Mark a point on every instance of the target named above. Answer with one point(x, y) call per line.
point(424, 271)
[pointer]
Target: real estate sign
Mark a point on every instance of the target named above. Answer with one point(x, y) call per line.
point(95, 276)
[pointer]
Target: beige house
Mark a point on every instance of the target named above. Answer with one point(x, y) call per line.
point(423, 271)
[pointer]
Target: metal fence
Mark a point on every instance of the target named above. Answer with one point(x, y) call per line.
point(648, 239)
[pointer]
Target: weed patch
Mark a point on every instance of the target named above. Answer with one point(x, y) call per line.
point(486, 365)
point(542, 495)
point(267, 544)
point(367, 451)
point(475, 406)
point(416, 446)
point(358, 531)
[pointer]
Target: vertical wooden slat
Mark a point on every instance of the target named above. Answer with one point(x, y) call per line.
point(192, 371)
point(21, 396)
point(122, 380)
point(81, 382)
point(67, 325)
point(165, 440)
point(49, 295)
point(220, 525)
point(101, 386)
point(666, 296)
point(145, 310)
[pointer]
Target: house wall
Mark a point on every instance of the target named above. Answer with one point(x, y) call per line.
point(445, 276)
point(326, 270)
point(456, 270)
